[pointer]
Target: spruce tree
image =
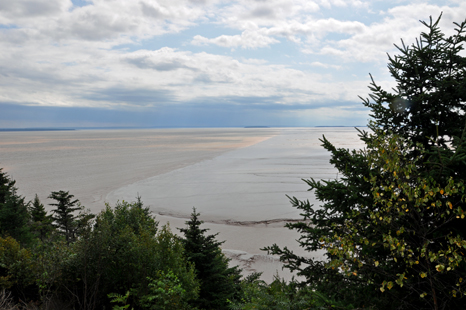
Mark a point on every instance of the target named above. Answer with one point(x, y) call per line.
point(426, 117)
point(218, 281)
point(14, 215)
point(7, 186)
point(64, 217)
point(41, 223)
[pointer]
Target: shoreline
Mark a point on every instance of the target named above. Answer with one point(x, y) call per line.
point(247, 255)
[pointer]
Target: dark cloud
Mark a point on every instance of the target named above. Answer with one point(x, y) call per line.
point(198, 1)
point(235, 101)
point(164, 65)
point(12, 35)
point(150, 11)
point(42, 74)
point(263, 12)
point(202, 78)
point(29, 8)
point(134, 97)
point(272, 103)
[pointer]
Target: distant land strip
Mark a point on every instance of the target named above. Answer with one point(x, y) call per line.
point(36, 129)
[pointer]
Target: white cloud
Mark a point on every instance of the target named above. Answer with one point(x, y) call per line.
point(244, 14)
point(401, 22)
point(315, 28)
point(247, 39)
point(341, 3)
point(324, 65)
point(101, 20)
point(257, 37)
point(299, 22)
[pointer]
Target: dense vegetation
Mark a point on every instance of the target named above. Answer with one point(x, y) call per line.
point(393, 225)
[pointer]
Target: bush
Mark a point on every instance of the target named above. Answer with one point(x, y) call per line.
point(17, 269)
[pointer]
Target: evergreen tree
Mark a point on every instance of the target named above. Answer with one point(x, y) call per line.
point(41, 222)
point(7, 186)
point(426, 115)
point(14, 215)
point(218, 282)
point(427, 106)
point(65, 219)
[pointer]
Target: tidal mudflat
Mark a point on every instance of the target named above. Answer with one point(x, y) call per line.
point(92, 163)
point(237, 178)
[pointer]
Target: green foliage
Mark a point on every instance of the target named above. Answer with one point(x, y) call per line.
point(172, 257)
point(7, 186)
point(119, 299)
point(218, 282)
point(166, 292)
point(123, 251)
point(351, 193)
point(413, 219)
point(17, 267)
point(64, 217)
point(41, 223)
point(120, 252)
point(279, 295)
point(383, 251)
point(14, 215)
point(51, 259)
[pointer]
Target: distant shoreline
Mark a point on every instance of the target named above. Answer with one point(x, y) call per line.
point(131, 128)
point(37, 129)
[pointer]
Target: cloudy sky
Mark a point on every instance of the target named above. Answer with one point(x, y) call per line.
point(200, 63)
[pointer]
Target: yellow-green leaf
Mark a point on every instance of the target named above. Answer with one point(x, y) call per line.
point(390, 285)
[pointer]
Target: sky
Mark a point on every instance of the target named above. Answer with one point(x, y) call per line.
point(201, 63)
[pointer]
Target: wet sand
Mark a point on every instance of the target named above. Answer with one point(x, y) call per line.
point(244, 186)
point(92, 163)
point(237, 179)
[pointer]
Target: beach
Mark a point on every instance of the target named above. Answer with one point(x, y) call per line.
point(237, 178)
